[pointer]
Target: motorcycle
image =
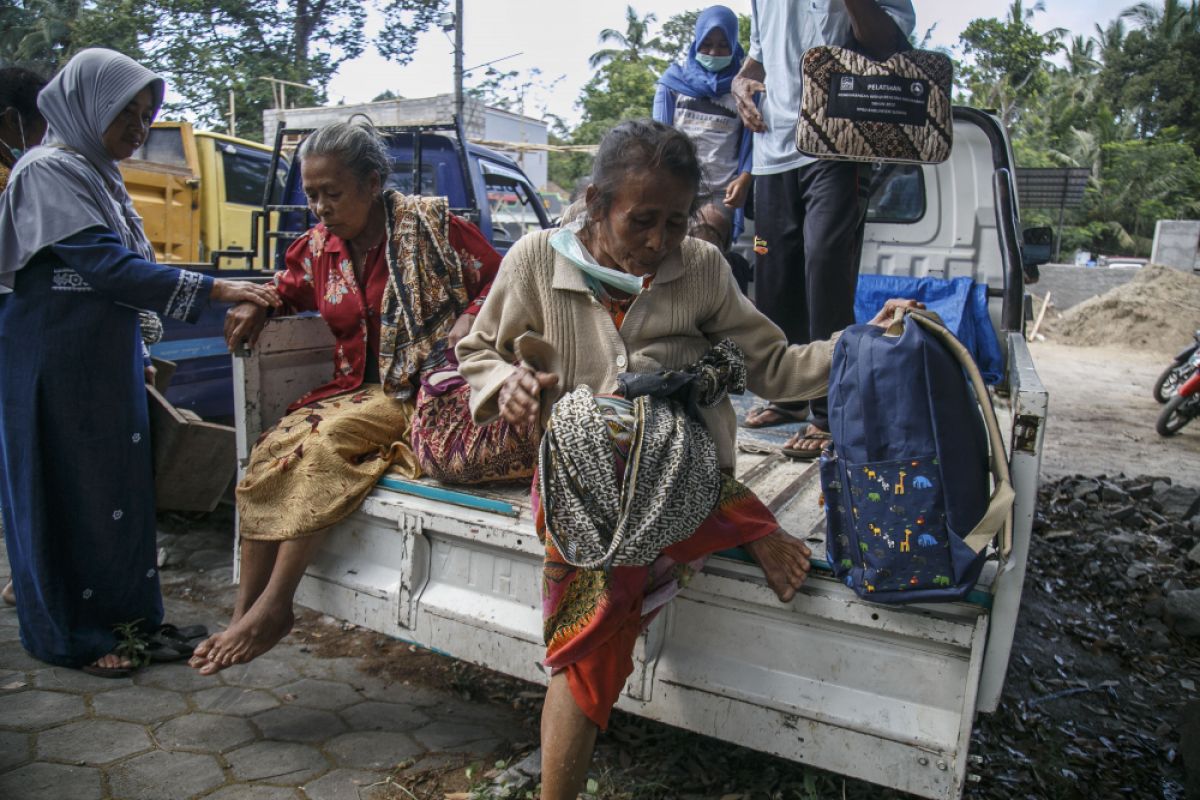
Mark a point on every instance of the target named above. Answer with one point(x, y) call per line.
point(1177, 373)
point(1184, 404)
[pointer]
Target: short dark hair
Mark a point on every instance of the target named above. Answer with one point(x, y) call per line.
point(642, 145)
point(19, 89)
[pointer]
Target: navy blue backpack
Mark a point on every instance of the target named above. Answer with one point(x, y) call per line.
point(916, 485)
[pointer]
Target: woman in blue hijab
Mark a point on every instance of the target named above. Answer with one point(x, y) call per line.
point(695, 98)
point(76, 476)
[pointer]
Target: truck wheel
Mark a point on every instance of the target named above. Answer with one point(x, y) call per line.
point(1168, 382)
point(1174, 415)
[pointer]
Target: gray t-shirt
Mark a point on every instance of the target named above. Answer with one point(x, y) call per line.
point(780, 33)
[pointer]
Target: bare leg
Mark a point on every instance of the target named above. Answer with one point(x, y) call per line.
point(784, 560)
point(568, 738)
point(10, 597)
point(268, 619)
point(258, 561)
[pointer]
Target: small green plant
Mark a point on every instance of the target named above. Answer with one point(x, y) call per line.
point(132, 643)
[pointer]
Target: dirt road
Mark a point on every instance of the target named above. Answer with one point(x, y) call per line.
point(1102, 415)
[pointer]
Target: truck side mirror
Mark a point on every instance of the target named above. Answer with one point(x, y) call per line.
point(1042, 236)
point(1036, 244)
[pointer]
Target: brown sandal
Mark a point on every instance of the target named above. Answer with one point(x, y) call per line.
point(783, 416)
point(809, 453)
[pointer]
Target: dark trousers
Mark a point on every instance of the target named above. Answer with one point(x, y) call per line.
point(811, 220)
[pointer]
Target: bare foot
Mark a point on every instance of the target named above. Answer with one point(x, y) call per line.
point(807, 444)
point(784, 560)
point(112, 661)
point(109, 666)
point(256, 632)
point(10, 597)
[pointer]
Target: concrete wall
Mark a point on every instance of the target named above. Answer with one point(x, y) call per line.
point(1176, 244)
point(1070, 285)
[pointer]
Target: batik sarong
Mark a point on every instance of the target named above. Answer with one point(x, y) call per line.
point(592, 617)
point(314, 468)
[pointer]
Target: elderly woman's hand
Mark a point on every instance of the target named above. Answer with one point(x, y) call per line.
point(887, 314)
point(462, 326)
point(520, 392)
point(243, 323)
point(261, 294)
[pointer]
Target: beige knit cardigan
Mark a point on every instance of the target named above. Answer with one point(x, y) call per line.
point(693, 303)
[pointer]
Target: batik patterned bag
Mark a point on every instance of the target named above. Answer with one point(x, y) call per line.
point(858, 109)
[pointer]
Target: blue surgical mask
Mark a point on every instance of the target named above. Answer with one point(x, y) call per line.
point(713, 63)
point(566, 242)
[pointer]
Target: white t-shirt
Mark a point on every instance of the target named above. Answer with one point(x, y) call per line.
point(780, 33)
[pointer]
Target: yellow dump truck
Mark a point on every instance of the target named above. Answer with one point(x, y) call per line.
point(197, 192)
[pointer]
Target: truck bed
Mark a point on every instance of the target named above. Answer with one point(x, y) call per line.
point(887, 694)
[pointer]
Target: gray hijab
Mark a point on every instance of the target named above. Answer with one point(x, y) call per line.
point(71, 183)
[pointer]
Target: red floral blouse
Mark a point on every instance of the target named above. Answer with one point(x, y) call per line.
point(320, 277)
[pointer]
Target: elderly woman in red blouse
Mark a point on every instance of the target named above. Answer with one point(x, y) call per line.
point(399, 280)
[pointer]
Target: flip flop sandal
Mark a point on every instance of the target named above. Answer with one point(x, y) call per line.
point(107, 672)
point(787, 416)
point(184, 634)
point(165, 651)
point(809, 454)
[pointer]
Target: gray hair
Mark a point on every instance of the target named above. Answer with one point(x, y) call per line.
point(359, 147)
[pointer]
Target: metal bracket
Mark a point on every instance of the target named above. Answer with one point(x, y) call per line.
point(1025, 432)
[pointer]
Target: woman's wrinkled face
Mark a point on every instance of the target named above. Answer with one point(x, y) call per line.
point(335, 195)
point(647, 220)
point(715, 44)
point(128, 130)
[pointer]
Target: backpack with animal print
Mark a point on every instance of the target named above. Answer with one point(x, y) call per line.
point(916, 486)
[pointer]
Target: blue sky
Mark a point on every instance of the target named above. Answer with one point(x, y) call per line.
point(557, 37)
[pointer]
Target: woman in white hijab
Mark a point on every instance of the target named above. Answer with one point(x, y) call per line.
point(76, 479)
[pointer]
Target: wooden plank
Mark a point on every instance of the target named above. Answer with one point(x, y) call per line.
point(194, 461)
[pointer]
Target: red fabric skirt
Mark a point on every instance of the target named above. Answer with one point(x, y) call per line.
point(592, 618)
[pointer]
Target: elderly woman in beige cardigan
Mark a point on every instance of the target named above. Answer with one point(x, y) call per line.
point(625, 290)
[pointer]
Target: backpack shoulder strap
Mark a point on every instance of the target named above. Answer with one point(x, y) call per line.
point(998, 517)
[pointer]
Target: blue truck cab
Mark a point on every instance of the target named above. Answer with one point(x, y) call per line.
point(436, 160)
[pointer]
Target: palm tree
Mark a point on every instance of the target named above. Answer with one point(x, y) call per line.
point(1167, 23)
point(633, 44)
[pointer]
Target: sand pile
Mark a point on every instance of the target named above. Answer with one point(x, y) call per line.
point(1157, 310)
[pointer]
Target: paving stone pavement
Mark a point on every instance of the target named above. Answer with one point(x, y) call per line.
point(288, 726)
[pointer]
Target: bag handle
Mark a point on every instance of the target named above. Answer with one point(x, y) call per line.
point(998, 517)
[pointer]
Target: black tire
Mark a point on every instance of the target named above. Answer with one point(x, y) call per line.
point(1168, 382)
point(1172, 419)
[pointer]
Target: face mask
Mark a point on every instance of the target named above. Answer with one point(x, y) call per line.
point(566, 242)
point(713, 63)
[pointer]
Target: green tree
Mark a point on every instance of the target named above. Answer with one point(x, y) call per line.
point(620, 90)
point(43, 34)
point(1152, 73)
point(205, 48)
point(1008, 60)
point(635, 44)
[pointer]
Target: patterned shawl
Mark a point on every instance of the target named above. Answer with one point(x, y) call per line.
point(599, 518)
point(425, 292)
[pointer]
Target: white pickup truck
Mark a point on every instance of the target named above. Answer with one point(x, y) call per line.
point(887, 694)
